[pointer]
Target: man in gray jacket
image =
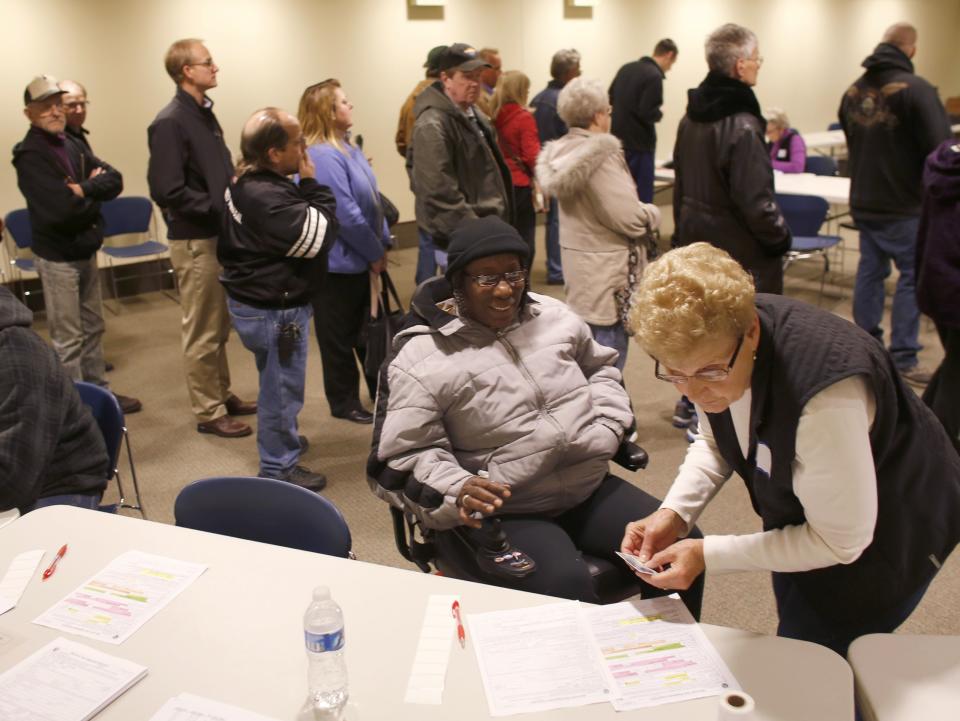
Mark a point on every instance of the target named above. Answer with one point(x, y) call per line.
point(456, 169)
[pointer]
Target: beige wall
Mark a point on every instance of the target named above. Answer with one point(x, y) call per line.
point(269, 50)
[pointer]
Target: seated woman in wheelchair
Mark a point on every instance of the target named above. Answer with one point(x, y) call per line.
point(498, 403)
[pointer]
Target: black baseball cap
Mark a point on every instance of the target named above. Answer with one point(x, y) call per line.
point(462, 57)
point(433, 58)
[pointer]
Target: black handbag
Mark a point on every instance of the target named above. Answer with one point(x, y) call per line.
point(382, 322)
point(389, 210)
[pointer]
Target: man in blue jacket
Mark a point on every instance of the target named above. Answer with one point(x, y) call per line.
point(564, 67)
point(893, 120)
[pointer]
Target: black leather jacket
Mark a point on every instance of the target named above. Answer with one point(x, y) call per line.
point(724, 181)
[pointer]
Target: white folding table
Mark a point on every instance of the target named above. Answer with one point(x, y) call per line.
point(236, 634)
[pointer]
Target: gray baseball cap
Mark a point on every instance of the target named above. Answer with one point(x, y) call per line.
point(41, 88)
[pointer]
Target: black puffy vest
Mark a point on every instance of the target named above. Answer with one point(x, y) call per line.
point(802, 351)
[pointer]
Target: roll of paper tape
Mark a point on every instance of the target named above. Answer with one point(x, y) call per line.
point(736, 705)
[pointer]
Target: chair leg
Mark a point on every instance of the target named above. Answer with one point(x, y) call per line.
point(133, 475)
point(176, 283)
point(113, 285)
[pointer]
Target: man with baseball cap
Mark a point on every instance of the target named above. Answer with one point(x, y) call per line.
point(456, 169)
point(426, 262)
point(64, 184)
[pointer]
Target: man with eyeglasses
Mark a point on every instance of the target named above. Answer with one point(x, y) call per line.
point(75, 107)
point(64, 185)
point(189, 170)
point(456, 169)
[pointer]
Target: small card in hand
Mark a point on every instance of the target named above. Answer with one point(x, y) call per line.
point(635, 564)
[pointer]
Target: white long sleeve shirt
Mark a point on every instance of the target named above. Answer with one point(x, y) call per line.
point(833, 477)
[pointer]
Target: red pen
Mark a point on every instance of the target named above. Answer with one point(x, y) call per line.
point(460, 633)
point(56, 559)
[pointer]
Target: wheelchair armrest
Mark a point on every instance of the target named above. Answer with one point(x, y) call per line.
point(631, 456)
point(417, 552)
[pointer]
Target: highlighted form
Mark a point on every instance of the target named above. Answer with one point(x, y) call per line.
point(655, 653)
point(119, 599)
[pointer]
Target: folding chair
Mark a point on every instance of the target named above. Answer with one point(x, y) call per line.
point(106, 411)
point(127, 216)
point(820, 165)
point(264, 510)
point(19, 238)
point(805, 214)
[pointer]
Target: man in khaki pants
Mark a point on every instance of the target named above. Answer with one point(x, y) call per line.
point(189, 170)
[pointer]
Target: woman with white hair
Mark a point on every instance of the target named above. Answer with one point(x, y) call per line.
point(724, 182)
point(605, 231)
point(788, 152)
point(855, 480)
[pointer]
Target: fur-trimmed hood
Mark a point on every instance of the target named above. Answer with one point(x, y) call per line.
point(565, 165)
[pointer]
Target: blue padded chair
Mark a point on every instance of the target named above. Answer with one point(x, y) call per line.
point(19, 231)
point(265, 510)
point(805, 214)
point(131, 215)
point(820, 165)
point(106, 411)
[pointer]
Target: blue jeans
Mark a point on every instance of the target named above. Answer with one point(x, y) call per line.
point(281, 384)
point(798, 619)
point(554, 267)
point(641, 164)
point(80, 500)
point(612, 336)
point(881, 242)
point(426, 260)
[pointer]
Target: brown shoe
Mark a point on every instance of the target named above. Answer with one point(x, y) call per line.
point(225, 427)
point(127, 404)
point(237, 407)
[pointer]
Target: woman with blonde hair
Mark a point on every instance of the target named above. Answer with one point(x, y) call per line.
point(520, 144)
point(605, 231)
point(856, 482)
point(341, 306)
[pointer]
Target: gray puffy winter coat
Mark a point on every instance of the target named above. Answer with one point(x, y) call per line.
point(539, 406)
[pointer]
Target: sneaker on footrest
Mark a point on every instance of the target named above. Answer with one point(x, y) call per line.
point(684, 413)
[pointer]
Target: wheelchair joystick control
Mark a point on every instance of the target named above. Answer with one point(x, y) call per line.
point(495, 555)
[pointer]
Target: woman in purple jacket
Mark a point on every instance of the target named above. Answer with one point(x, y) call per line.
point(341, 306)
point(788, 152)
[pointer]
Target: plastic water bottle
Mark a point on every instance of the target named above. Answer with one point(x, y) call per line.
point(324, 639)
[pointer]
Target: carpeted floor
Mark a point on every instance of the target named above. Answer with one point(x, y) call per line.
point(143, 342)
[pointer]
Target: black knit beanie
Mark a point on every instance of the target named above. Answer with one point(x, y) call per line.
point(481, 238)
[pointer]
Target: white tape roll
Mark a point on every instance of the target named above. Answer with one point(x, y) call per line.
point(735, 705)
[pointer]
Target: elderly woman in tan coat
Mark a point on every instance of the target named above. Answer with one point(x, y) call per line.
point(604, 229)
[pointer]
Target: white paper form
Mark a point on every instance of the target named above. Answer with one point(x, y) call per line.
point(537, 659)
point(18, 575)
point(64, 681)
point(429, 670)
point(655, 653)
point(187, 707)
point(111, 605)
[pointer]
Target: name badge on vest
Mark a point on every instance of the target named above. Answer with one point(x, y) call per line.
point(764, 459)
point(782, 154)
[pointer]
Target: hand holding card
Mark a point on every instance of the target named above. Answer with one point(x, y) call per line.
point(635, 564)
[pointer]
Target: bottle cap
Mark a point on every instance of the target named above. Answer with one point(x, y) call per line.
point(321, 593)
